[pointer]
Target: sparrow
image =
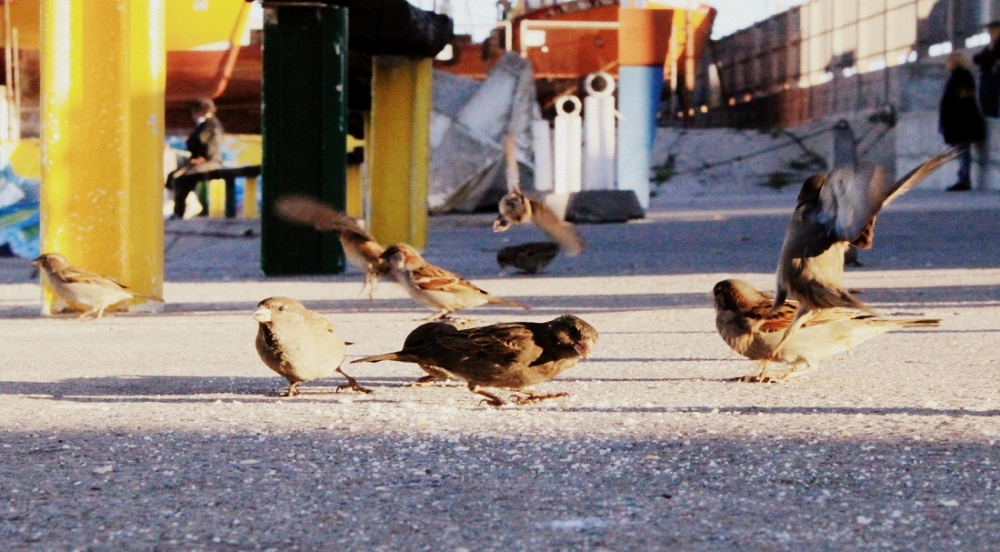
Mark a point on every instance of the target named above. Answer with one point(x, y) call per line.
point(747, 323)
point(83, 288)
point(508, 356)
point(436, 287)
point(360, 248)
point(426, 333)
point(299, 344)
point(517, 208)
point(835, 210)
point(529, 258)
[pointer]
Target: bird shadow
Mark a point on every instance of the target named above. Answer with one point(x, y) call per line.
point(805, 410)
point(171, 389)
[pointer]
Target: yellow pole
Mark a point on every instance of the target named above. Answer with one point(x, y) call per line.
point(102, 77)
point(399, 147)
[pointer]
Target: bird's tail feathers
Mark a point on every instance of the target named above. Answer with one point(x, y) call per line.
point(398, 356)
point(507, 302)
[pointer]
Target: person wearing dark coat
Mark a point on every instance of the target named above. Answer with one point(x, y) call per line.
point(961, 123)
point(988, 61)
point(205, 145)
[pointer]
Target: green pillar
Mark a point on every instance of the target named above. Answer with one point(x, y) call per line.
point(304, 128)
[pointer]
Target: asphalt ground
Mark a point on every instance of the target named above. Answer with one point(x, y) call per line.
point(165, 432)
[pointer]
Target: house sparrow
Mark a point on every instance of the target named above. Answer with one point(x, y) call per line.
point(750, 327)
point(834, 211)
point(360, 248)
point(510, 356)
point(83, 288)
point(299, 344)
point(517, 208)
point(529, 258)
point(428, 332)
point(436, 287)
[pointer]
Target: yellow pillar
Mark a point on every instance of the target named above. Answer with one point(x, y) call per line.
point(102, 87)
point(399, 149)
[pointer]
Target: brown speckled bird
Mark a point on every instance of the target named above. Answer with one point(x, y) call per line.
point(747, 323)
point(83, 288)
point(835, 210)
point(529, 258)
point(510, 356)
point(435, 287)
point(299, 344)
point(360, 248)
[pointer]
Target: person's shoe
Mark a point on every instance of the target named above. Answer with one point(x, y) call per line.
point(959, 187)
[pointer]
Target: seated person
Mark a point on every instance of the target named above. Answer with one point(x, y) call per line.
point(205, 145)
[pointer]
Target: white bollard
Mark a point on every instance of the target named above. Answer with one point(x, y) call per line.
point(541, 137)
point(568, 144)
point(599, 133)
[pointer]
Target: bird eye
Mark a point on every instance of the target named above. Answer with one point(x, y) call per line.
point(281, 308)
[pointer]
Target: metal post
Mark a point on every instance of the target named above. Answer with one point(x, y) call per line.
point(102, 101)
point(304, 128)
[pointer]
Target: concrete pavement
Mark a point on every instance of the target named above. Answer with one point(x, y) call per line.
point(164, 432)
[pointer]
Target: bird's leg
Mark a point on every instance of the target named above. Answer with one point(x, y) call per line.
point(370, 280)
point(802, 315)
point(426, 380)
point(534, 397)
point(490, 399)
point(352, 384)
point(439, 315)
point(760, 377)
point(799, 370)
point(293, 389)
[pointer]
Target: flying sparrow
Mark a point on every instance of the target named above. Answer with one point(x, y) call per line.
point(435, 287)
point(299, 344)
point(360, 248)
point(517, 208)
point(750, 327)
point(529, 258)
point(509, 356)
point(83, 288)
point(835, 210)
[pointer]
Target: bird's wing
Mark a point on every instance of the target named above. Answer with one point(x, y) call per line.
point(310, 212)
point(510, 157)
point(499, 344)
point(559, 231)
point(851, 198)
point(900, 187)
point(434, 278)
point(75, 275)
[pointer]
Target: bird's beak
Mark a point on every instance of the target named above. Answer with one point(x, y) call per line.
point(501, 224)
point(583, 348)
point(37, 262)
point(262, 314)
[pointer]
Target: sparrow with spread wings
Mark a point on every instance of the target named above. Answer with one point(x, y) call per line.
point(747, 323)
point(835, 210)
point(517, 208)
point(360, 248)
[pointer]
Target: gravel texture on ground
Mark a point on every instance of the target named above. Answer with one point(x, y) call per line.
point(165, 432)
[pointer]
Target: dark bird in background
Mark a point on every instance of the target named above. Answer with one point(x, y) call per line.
point(299, 344)
point(435, 287)
point(835, 210)
point(517, 208)
point(360, 248)
point(428, 332)
point(509, 356)
point(529, 258)
point(751, 328)
point(83, 289)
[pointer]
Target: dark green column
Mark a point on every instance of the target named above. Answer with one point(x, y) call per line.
point(304, 128)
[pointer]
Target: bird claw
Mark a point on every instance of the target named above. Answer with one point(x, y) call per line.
point(521, 400)
point(354, 386)
point(495, 401)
